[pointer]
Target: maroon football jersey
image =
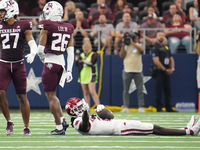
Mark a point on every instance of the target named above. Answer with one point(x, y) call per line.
point(59, 34)
point(12, 39)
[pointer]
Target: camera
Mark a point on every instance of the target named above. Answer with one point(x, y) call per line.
point(127, 39)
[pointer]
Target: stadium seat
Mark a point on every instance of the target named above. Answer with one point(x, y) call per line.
point(188, 5)
point(142, 14)
point(71, 15)
point(80, 5)
point(165, 6)
point(119, 15)
point(141, 5)
point(130, 5)
point(93, 5)
point(95, 13)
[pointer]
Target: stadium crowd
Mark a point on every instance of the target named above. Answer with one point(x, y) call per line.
point(148, 14)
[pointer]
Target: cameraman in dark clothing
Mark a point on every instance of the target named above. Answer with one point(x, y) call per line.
point(164, 61)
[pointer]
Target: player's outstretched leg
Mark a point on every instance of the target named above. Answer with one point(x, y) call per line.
point(191, 123)
point(195, 129)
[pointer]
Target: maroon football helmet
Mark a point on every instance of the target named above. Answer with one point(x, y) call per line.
point(74, 107)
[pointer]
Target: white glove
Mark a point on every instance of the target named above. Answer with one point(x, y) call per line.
point(30, 57)
point(69, 76)
point(41, 56)
point(99, 108)
point(85, 105)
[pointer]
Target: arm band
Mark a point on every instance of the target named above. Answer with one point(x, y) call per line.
point(40, 49)
point(70, 58)
point(33, 46)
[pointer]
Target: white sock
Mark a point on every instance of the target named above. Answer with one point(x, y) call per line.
point(59, 127)
point(9, 120)
point(61, 118)
point(187, 131)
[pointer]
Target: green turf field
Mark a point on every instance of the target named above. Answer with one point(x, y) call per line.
point(42, 123)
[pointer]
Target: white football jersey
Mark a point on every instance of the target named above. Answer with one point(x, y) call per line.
point(100, 126)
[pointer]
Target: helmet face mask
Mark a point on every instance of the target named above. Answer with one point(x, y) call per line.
point(11, 9)
point(51, 10)
point(74, 107)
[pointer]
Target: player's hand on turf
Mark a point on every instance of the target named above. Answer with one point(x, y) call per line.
point(30, 57)
point(99, 108)
point(69, 76)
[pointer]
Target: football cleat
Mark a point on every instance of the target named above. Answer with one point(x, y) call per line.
point(141, 109)
point(9, 129)
point(125, 109)
point(191, 123)
point(195, 129)
point(65, 124)
point(58, 132)
point(27, 131)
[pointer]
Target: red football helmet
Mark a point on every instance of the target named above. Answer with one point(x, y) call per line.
point(74, 107)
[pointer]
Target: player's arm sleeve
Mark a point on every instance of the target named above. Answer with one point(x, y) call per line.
point(70, 58)
point(85, 124)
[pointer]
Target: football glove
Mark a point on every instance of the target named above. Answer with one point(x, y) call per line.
point(30, 57)
point(99, 108)
point(85, 105)
point(69, 77)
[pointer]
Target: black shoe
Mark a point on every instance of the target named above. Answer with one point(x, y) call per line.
point(160, 110)
point(65, 124)
point(171, 110)
point(58, 132)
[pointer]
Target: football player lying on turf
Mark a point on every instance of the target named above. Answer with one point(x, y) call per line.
point(105, 124)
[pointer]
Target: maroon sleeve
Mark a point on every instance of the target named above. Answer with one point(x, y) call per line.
point(29, 25)
point(94, 58)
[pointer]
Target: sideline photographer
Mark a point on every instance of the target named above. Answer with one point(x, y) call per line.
point(131, 51)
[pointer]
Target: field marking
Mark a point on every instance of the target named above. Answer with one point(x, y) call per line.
point(100, 141)
point(92, 147)
point(98, 136)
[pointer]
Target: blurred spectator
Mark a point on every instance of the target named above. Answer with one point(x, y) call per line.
point(150, 35)
point(179, 35)
point(127, 8)
point(37, 11)
point(179, 5)
point(111, 4)
point(151, 3)
point(126, 24)
point(103, 10)
point(93, 9)
point(107, 33)
point(80, 23)
point(172, 10)
point(24, 9)
point(150, 10)
point(119, 6)
point(69, 7)
point(194, 15)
